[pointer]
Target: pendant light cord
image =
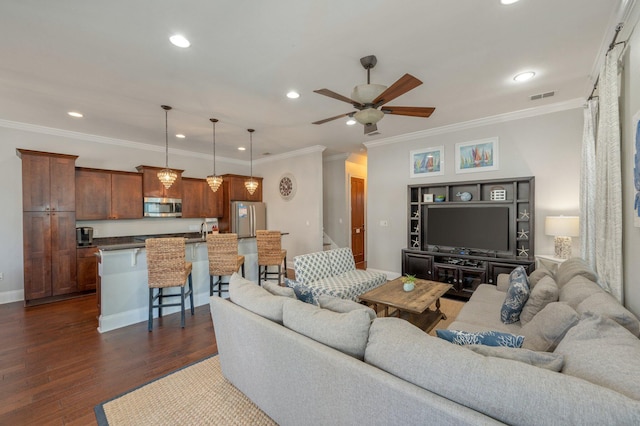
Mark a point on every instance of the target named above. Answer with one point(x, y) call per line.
point(214, 146)
point(166, 138)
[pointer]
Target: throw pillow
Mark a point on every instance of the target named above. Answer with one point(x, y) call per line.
point(254, 298)
point(545, 292)
point(550, 361)
point(578, 289)
point(571, 268)
point(517, 296)
point(548, 327)
point(606, 305)
point(302, 292)
point(337, 304)
point(277, 290)
point(488, 338)
point(537, 275)
point(346, 332)
point(603, 352)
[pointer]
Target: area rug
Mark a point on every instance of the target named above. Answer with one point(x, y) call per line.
point(194, 395)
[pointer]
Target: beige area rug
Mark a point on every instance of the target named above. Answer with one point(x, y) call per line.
point(195, 395)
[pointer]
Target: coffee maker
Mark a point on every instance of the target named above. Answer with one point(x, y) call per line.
point(84, 236)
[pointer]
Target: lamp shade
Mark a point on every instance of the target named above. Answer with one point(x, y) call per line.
point(562, 226)
point(366, 93)
point(368, 116)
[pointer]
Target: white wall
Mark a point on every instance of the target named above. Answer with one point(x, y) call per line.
point(546, 146)
point(104, 153)
point(335, 214)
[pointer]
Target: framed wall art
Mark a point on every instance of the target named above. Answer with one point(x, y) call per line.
point(426, 162)
point(477, 156)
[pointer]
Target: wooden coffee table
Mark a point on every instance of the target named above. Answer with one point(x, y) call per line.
point(412, 306)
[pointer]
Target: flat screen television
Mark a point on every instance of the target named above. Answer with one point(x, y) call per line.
point(469, 227)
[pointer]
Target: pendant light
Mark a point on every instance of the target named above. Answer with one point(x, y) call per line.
point(213, 180)
point(251, 184)
point(166, 175)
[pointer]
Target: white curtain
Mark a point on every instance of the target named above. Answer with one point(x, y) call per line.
point(608, 201)
point(588, 184)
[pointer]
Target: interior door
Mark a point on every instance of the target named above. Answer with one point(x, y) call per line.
point(357, 221)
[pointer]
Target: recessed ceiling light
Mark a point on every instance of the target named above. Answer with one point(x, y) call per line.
point(508, 1)
point(293, 95)
point(179, 40)
point(180, 136)
point(75, 114)
point(351, 121)
point(524, 76)
point(242, 148)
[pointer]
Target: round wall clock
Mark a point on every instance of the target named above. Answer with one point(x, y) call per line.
point(287, 186)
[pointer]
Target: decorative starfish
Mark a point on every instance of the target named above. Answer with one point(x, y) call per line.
point(524, 214)
point(523, 234)
point(416, 214)
point(416, 243)
point(523, 251)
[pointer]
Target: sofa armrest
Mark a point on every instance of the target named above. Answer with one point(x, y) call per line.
point(502, 283)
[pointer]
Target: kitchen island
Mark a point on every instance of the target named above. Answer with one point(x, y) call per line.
point(123, 293)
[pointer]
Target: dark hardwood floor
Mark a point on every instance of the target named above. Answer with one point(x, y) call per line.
point(55, 366)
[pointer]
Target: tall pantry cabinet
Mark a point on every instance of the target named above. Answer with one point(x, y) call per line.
point(49, 221)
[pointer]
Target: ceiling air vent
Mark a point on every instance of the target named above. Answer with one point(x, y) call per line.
point(542, 96)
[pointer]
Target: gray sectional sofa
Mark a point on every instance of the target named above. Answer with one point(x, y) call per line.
point(338, 364)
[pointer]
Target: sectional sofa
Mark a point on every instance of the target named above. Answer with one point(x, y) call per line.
point(337, 363)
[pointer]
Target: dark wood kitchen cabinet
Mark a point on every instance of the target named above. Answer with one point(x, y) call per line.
point(152, 187)
point(108, 194)
point(49, 221)
point(87, 266)
point(199, 201)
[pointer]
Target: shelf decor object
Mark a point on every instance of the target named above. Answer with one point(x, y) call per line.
point(562, 228)
point(477, 156)
point(498, 193)
point(166, 175)
point(426, 162)
point(251, 184)
point(214, 180)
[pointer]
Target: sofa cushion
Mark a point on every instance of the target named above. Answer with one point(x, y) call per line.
point(277, 290)
point(548, 327)
point(312, 267)
point(545, 292)
point(517, 296)
point(537, 275)
point(550, 361)
point(488, 338)
point(605, 305)
point(482, 312)
point(341, 260)
point(336, 304)
point(256, 299)
point(508, 391)
point(302, 291)
point(603, 352)
point(346, 332)
point(571, 268)
point(578, 289)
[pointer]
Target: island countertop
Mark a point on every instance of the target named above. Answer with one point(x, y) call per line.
point(138, 241)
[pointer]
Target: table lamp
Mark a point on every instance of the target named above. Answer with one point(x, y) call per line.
point(562, 228)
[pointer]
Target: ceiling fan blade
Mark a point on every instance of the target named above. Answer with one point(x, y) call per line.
point(337, 96)
point(400, 87)
point(369, 128)
point(332, 118)
point(410, 111)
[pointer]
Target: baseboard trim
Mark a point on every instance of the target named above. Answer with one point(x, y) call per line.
point(11, 296)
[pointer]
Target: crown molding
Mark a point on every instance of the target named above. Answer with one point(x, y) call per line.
point(343, 156)
point(500, 118)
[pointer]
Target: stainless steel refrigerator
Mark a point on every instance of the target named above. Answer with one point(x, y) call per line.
point(247, 217)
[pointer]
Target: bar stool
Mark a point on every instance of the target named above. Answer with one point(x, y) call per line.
point(270, 253)
point(167, 268)
point(224, 260)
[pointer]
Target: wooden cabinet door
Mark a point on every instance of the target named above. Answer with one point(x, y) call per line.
point(87, 268)
point(36, 189)
point(152, 187)
point(417, 264)
point(126, 196)
point(63, 253)
point(63, 184)
point(36, 231)
point(193, 198)
point(213, 201)
point(93, 194)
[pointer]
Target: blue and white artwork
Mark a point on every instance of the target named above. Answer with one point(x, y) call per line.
point(427, 162)
point(636, 170)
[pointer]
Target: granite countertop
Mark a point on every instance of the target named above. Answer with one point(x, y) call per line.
point(137, 241)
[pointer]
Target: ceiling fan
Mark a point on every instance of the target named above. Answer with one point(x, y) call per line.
point(367, 98)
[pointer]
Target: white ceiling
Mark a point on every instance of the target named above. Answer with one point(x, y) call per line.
point(112, 61)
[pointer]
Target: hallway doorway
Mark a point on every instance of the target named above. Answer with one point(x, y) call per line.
point(358, 221)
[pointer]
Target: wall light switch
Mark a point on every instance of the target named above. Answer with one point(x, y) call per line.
point(384, 223)
point(1, 276)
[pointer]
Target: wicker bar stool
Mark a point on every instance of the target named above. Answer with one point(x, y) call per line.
point(167, 268)
point(270, 253)
point(224, 260)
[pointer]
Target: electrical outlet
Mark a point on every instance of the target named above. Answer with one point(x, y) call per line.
point(1, 276)
point(384, 223)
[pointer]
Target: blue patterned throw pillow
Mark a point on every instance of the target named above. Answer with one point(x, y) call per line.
point(302, 292)
point(517, 296)
point(487, 338)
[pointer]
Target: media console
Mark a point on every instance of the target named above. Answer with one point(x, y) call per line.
point(478, 230)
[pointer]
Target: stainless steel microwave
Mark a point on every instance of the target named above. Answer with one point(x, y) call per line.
point(162, 207)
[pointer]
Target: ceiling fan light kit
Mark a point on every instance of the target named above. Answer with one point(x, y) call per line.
point(369, 99)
